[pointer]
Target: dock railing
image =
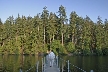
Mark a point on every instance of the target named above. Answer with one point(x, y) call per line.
point(65, 65)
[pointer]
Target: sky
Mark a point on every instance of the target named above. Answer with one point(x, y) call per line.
point(91, 8)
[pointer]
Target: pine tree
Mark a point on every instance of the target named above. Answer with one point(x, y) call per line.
point(44, 18)
point(62, 19)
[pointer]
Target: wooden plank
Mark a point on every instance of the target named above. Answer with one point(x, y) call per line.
point(47, 67)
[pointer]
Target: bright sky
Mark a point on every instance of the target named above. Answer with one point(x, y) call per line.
point(92, 8)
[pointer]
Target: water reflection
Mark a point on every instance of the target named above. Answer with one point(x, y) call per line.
point(12, 63)
point(87, 63)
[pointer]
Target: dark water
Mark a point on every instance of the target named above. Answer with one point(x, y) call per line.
point(12, 63)
point(87, 63)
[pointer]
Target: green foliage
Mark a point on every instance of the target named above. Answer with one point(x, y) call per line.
point(86, 51)
point(56, 44)
point(99, 51)
point(105, 51)
point(29, 35)
point(70, 47)
point(0, 49)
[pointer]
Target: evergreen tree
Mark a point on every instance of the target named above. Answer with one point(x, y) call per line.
point(62, 19)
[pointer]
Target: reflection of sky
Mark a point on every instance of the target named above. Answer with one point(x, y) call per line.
point(92, 8)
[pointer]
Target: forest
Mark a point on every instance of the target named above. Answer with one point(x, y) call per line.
point(73, 35)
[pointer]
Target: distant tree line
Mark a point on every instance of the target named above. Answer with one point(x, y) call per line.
point(76, 35)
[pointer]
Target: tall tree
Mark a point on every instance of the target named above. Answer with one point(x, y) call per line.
point(62, 19)
point(1, 32)
point(99, 36)
point(73, 26)
point(106, 32)
point(99, 33)
point(51, 27)
point(37, 32)
point(28, 35)
point(44, 18)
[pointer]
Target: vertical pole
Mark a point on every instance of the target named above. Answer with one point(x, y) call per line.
point(42, 64)
point(62, 65)
point(37, 65)
point(68, 65)
point(57, 61)
point(44, 60)
point(59, 64)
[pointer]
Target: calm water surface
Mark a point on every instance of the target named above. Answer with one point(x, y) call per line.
point(12, 63)
point(87, 63)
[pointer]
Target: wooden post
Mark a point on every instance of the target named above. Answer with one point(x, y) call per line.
point(68, 65)
point(44, 60)
point(59, 66)
point(42, 64)
point(57, 61)
point(37, 65)
point(62, 66)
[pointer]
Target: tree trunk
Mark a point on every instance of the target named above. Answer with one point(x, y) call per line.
point(82, 44)
point(62, 39)
point(50, 39)
point(21, 51)
point(44, 36)
point(68, 35)
point(53, 36)
point(2, 44)
point(75, 41)
point(72, 38)
point(38, 28)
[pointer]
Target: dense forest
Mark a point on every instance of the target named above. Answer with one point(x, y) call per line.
point(76, 35)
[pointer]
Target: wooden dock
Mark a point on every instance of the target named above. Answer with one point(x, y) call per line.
point(47, 67)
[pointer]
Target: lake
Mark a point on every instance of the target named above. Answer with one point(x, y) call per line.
point(13, 63)
point(87, 63)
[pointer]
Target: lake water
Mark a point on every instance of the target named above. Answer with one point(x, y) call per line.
point(13, 63)
point(87, 63)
